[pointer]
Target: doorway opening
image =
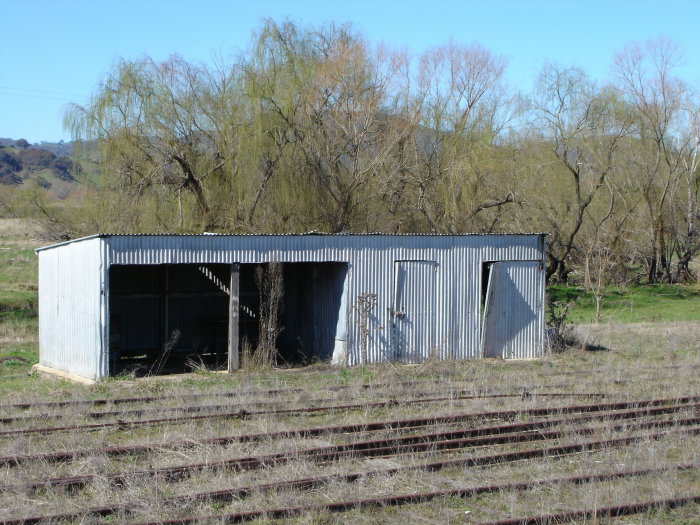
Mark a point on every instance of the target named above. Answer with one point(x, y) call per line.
point(168, 318)
point(176, 318)
point(308, 315)
point(484, 286)
point(511, 297)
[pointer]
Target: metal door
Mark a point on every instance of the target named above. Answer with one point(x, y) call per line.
point(513, 324)
point(414, 310)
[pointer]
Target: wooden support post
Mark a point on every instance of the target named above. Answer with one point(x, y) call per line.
point(233, 313)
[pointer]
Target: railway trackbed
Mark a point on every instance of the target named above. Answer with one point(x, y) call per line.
point(238, 493)
point(600, 411)
point(244, 410)
point(434, 444)
point(246, 414)
point(404, 499)
point(480, 446)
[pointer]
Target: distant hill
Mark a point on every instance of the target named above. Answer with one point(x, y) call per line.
point(46, 163)
point(60, 149)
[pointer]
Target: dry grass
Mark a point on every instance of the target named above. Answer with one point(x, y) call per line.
point(24, 233)
point(640, 362)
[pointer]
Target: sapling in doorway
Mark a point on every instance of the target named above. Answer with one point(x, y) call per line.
point(270, 281)
point(365, 304)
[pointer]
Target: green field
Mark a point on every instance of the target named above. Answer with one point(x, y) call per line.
point(632, 304)
point(18, 305)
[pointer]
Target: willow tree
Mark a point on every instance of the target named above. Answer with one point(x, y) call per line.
point(333, 111)
point(581, 128)
point(645, 78)
point(687, 241)
point(457, 170)
point(156, 132)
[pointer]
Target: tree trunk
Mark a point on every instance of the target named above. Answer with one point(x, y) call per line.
point(683, 272)
point(194, 185)
point(652, 262)
point(665, 264)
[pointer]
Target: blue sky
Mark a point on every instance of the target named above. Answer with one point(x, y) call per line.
point(53, 52)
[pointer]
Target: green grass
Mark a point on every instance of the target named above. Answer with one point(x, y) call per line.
point(632, 304)
point(18, 291)
point(16, 360)
point(19, 323)
point(18, 270)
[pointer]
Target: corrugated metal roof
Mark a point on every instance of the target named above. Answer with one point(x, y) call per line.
point(306, 234)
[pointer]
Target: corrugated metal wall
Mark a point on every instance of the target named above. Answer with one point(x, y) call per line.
point(414, 311)
point(512, 326)
point(371, 259)
point(70, 308)
point(370, 262)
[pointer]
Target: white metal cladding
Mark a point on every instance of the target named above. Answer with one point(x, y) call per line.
point(512, 326)
point(70, 308)
point(371, 258)
point(414, 310)
point(370, 270)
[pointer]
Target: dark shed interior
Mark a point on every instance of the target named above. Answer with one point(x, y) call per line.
point(313, 294)
point(161, 316)
point(173, 318)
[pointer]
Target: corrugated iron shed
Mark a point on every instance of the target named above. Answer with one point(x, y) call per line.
point(446, 296)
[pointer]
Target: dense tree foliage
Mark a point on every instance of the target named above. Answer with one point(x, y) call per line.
point(320, 129)
point(16, 164)
point(35, 159)
point(9, 164)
